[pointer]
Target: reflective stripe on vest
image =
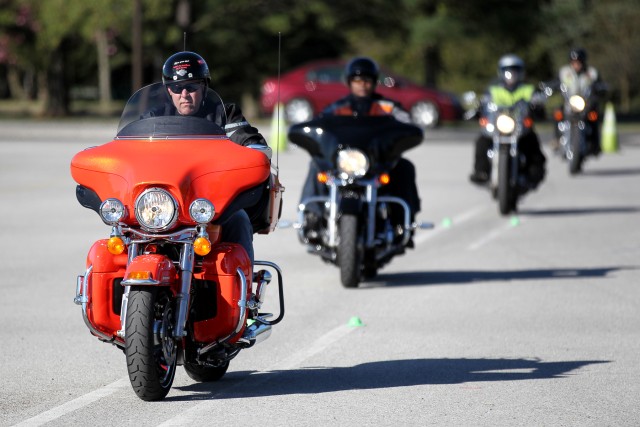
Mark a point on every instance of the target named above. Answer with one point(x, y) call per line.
point(504, 98)
point(378, 108)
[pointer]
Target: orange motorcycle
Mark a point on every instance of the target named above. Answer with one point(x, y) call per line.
point(163, 287)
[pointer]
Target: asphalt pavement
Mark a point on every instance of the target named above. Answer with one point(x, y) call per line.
point(528, 319)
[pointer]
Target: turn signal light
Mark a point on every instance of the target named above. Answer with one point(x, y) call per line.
point(115, 246)
point(528, 122)
point(557, 115)
point(202, 246)
point(592, 116)
point(139, 275)
point(322, 177)
point(384, 179)
point(483, 121)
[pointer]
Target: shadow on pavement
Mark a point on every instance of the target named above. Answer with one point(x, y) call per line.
point(599, 210)
point(379, 375)
point(456, 277)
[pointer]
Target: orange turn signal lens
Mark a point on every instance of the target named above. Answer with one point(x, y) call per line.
point(557, 115)
point(592, 116)
point(139, 275)
point(322, 177)
point(483, 121)
point(202, 246)
point(115, 246)
point(384, 179)
point(528, 122)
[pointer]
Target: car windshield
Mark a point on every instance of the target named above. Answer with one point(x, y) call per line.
point(150, 113)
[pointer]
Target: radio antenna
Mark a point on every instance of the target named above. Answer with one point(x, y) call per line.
point(278, 108)
point(184, 41)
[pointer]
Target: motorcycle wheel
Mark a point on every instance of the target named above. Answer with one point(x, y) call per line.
point(205, 374)
point(575, 162)
point(506, 196)
point(348, 256)
point(149, 345)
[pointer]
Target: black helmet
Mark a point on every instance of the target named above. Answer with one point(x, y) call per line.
point(578, 54)
point(362, 66)
point(184, 66)
point(511, 69)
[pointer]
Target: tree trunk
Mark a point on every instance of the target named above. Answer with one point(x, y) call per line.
point(136, 41)
point(104, 70)
point(56, 94)
point(432, 65)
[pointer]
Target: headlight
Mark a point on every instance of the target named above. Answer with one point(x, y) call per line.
point(112, 211)
point(505, 124)
point(352, 163)
point(156, 209)
point(202, 211)
point(577, 103)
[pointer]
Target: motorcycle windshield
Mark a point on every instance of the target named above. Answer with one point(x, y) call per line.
point(381, 138)
point(188, 156)
point(150, 113)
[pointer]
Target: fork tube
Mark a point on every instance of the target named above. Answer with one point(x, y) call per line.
point(133, 252)
point(186, 271)
point(372, 202)
point(333, 214)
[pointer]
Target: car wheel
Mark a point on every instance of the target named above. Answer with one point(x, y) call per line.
point(425, 114)
point(298, 110)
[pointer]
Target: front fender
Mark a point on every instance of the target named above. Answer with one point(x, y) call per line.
point(151, 270)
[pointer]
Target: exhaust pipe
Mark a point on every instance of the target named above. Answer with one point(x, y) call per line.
point(256, 333)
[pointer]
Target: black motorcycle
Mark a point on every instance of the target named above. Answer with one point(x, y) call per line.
point(577, 123)
point(361, 229)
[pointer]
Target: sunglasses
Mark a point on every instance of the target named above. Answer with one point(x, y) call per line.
point(177, 88)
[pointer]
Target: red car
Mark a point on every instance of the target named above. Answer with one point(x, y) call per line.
point(308, 89)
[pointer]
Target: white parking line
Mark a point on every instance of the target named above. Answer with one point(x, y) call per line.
point(489, 236)
point(75, 404)
point(458, 219)
point(195, 414)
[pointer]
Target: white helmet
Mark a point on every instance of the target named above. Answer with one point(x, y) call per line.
point(511, 69)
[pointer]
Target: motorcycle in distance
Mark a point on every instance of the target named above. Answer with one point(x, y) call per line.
point(576, 122)
point(506, 126)
point(163, 287)
point(355, 155)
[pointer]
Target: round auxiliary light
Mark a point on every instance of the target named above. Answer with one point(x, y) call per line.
point(112, 211)
point(202, 211)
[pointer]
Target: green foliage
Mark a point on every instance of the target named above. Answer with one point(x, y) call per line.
point(453, 44)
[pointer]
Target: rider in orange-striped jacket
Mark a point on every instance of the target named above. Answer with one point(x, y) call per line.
point(361, 75)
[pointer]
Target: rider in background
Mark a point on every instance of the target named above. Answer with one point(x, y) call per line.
point(361, 75)
point(186, 77)
point(505, 92)
point(577, 77)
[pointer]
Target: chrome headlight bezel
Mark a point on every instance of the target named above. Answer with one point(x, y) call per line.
point(505, 124)
point(112, 211)
point(202, 211)
point(145, 204)
point(352, 163)
point(577, 103)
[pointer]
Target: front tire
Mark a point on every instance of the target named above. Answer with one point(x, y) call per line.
point(348, 254)
point(575, 141)
point(506, 193)
point(149, 345)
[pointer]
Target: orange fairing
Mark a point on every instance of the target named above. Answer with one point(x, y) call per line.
point(213, 168)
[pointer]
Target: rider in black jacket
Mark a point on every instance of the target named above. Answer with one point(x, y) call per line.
point(361, 74)
point(186, 78)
